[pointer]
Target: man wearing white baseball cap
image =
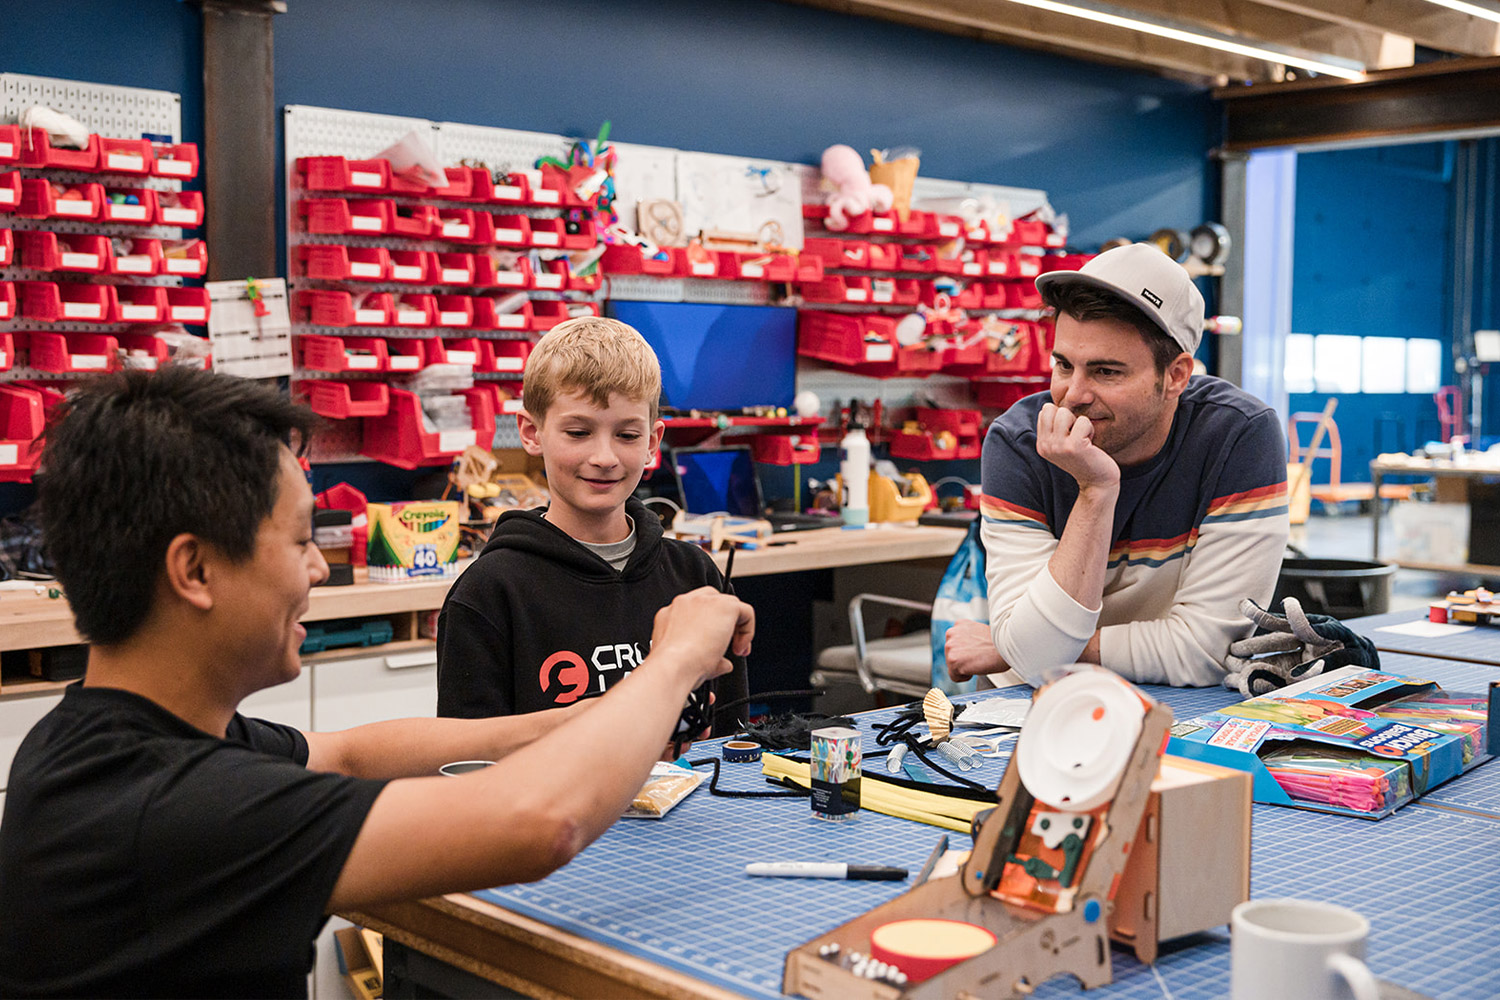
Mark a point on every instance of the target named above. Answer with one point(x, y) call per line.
point(1129, 510)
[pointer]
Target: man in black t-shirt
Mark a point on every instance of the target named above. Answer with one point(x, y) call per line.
point(157, 843)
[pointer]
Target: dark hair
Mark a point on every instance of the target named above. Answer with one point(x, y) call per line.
point(1086, 303)
point(136, 458)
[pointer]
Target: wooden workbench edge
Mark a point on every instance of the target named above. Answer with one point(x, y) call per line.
point(523, 954)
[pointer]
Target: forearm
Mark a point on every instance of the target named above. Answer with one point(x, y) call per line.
point(403, 748)
point(1082, 555)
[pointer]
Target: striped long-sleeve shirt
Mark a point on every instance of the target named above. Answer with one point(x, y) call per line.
point(1198, 528)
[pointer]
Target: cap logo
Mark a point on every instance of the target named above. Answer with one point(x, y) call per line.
point(1151, 297)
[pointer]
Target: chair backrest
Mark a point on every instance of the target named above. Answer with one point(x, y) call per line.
point(1323, 426)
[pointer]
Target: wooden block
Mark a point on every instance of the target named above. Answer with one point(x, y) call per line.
point(1190, 863)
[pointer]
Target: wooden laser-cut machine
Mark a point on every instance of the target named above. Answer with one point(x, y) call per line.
point(1046, 862)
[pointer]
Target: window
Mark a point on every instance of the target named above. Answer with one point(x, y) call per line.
point(1336, 363)
point(1424, 366)
point(1384, 364)
point(1298, 373)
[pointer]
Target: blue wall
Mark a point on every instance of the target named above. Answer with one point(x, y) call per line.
point(1373, 258)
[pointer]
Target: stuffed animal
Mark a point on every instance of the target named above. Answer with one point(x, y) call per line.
point(844, 167)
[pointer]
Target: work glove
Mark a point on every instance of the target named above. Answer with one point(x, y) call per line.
point(1292, 647)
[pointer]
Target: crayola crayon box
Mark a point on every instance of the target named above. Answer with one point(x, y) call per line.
point(1353, 741)
point(413, 541)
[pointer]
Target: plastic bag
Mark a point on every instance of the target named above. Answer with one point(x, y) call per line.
point(962, 595)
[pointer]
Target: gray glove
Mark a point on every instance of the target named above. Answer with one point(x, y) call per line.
point(1291, 647)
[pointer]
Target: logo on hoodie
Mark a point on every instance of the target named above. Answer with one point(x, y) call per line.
point(564, 677)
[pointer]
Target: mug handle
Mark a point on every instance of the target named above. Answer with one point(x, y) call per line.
point(1356, 974)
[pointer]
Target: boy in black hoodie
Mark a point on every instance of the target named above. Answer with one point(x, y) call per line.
point(559, 605)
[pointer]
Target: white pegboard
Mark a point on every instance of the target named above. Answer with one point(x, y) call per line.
point(311, 131)
point(500, 149)
point(118, 112)
point(245, 344)
point(835, 385)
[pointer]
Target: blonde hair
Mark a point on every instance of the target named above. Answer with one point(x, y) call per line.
point(595, 357)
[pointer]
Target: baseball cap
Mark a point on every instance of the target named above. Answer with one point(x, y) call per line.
point(1147, 278)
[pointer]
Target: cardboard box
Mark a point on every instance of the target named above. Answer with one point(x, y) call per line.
point(1431, 532)
point(361, 961)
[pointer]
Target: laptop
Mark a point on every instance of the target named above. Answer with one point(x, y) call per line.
point(725, 480)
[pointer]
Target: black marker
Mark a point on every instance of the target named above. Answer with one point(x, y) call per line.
point(821, 869)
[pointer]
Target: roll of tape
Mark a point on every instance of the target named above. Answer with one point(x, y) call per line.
point(741, 751)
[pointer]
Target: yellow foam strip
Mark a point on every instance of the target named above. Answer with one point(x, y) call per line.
point(943, 811)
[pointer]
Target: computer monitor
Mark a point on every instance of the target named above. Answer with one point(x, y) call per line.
point(718, 357)
point(717, 480)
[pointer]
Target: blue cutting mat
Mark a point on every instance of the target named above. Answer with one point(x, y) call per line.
point(1480, 644)
point(673, 890)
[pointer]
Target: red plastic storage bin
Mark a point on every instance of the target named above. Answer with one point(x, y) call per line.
point(562, 269)
point(506, 356)
point(325, 308)
point(455, 224)
point(514, 189)
point(7, 248)
point(547, 314)
point(140, 303)
point(463, 184)
point(510, 311)
point(838, 253)
point(556, 188)
point(453, 269)
point(769, 267)
point(188, 305)
point(335, 173)
point(125, 156)
point(415, 221)
point(908, 291)
point(7, 301)
point(1009, 347)
point(882, 291)
point(922, 445)
point(402, 355)
point(345, 217)
point(342, 354)
point(23, 417)
point(549, 280)
point(143, 256)
point(10, 190)
point(334, 262)
point(884, 256)
point(453, 311)
point(133, 205)
point(1065, 261)
point(413, 310)
point(809, 268)
point(694, 262)
point(179, 160)
point(42, 251)
point(624, 259)
point(786, 449)
point(399, 437)
point(456, 351)
point(413, 267)
point(54, 302)
point(7, 352)
point(179, 208)
point(488, 274)
point(966, 425)
point(837, 288)
point(511, 230)
point(548, 233)
point(37, 151)
point(340, 400)
point(579, 234)
point(1001, 395)
point(148, 351)
point(72, 352)
point(40, 199)
point(1028, 232)
point(849, 340)
point(10, 143)
point(917, 257)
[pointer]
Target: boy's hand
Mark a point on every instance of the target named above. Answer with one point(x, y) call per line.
point(699, 626)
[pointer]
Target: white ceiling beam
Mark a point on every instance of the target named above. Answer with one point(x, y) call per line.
point(1426, 23)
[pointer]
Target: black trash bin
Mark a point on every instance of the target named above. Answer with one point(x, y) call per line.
point(1339, 588)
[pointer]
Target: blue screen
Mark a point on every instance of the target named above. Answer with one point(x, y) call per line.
point(718, 357)
point(714, 481)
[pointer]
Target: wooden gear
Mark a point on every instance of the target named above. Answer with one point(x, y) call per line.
point(1033, 945)
point(660, 220)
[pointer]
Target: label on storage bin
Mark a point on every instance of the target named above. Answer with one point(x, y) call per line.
point(1054, 240)
point(7, 196)
point(4, 310)
point(1000, 267)
point(364, 179)
point(364, 269)
point(91, 260)
point(883, 225)
point(1030, 268)
point(705, 269)
point(948, 229)
point(4, 360)
point(82, 310)
point(456, 440)
point(514, 321)
point(187, 265)
point(365, 223)
point(133, 265)
point(457, 275)
point(880, 352)
point(403, 362)
point(463, 357)
point(406, 272)
point(174, 168)
point(125, 161)
point(510, 278)
point(509, 236)
point(141, 313)
point(506, 364)
point(972, 269)
point(8, 150)
point(546, 196)
point(189, 314)
point(856, 295)
point(369, 317)
point(453, 319)
point(72, 206)
point(362, 362)
point(179, 216)
point(411, 317)
point(10, 454)
point(546, 281)
point(89, 362)
point(507, 192)
point(545, 239)
point(511, 406)
point(128, 213)
point(752, 270)
point(457, 230)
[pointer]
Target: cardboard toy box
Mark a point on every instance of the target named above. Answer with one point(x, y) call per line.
point(1354, 741)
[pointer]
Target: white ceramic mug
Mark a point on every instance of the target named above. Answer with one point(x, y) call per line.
point(458, 767)
point(1281, 948)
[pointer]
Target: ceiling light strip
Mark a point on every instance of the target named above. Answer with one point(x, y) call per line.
point(1328, 66)
point(1471, 9)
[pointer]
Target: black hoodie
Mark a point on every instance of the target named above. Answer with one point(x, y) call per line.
point(538, 621)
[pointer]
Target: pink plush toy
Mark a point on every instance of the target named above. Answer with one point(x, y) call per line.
point(855, 195)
